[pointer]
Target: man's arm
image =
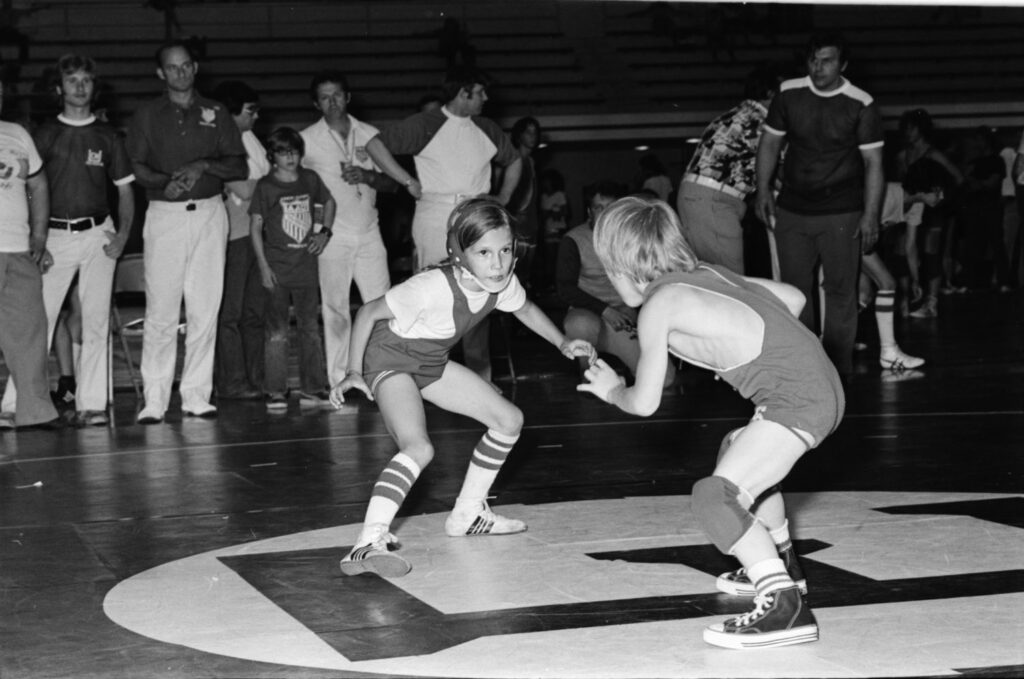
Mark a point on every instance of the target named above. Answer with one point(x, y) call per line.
point(125, 216)
point(874, 189)
point(767, 161)
point(242, 188)
point(267, 277)
point(225, 168)
point(39, 219)
point(513, 171)
point(385, 161)
point(378, 181)
point(149, 178)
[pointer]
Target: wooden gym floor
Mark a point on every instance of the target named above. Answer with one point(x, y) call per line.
point(209, 548)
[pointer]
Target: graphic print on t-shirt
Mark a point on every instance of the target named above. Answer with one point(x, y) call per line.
point(296, 218)
point(12, 165)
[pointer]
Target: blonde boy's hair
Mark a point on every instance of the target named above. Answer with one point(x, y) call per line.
point(642, 239)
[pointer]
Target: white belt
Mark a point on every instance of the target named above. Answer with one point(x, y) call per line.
point(446, 198)
point(701, 180)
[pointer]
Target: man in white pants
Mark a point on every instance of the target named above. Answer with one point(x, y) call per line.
point(24, 211)
point(81, 157)
point(183, 147)
point(336, 150)
point(453, 148)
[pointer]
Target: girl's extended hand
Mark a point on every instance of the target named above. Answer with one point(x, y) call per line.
point(578, 347)
point(352, 380)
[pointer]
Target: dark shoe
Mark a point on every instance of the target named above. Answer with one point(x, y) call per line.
point(779, 618)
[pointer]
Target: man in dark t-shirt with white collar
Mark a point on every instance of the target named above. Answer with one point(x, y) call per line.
point(828, 208)
point(82, 157)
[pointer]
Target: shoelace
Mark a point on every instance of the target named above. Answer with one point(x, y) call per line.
point(761, 604)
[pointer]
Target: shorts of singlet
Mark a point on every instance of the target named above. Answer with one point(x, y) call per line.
point(421, 376)
point(811, 409)
point(388, 355)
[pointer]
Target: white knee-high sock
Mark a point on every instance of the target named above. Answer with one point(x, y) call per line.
point(391, 489)
point(489, 455)
point(885, 302)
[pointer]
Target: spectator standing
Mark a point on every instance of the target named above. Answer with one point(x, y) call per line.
point(925, 168)
point(239, 357)
point(453, 148)
point(82, 158)
point(832, 187)
point(336, 150)
point(982, 212)
point(554, 221)
point(183, 148)
point(720, 176)
point(24, 216)
point(523, 202)
point(289, 209)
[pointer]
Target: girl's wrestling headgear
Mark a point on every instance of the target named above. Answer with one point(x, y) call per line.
point(468, 222)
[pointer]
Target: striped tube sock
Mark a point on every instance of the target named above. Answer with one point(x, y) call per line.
point(488, 456)
point(393, 484)
point(885, 302)
point(770, 575)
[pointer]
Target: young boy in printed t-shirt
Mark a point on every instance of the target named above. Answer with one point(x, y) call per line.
point(289, 209)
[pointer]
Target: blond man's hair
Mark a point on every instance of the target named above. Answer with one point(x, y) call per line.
point(642, 239)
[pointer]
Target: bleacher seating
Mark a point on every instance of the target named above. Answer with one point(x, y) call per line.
point(962, 62)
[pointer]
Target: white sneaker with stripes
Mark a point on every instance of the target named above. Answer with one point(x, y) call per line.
point(374, 557)
point(485, 522)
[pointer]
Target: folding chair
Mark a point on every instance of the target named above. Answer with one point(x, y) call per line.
point(128, 278)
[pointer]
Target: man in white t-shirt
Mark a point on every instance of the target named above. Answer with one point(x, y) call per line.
point(453, 148)
point(24, 218)
point(336, 150)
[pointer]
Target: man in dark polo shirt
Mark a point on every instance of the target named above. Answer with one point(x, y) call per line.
point(832, 187)
point(82, 157)
point(183, 147)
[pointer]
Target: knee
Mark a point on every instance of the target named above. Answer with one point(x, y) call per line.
point(510, 422)
point(726, 442)
point(422, 452)
point(716, 504)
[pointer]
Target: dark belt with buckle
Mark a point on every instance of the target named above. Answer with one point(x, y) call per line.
point(83, 224)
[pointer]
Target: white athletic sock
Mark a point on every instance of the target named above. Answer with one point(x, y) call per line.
point(393, 485)
point(490, 453)
point(770, 575)
point(884, 305)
